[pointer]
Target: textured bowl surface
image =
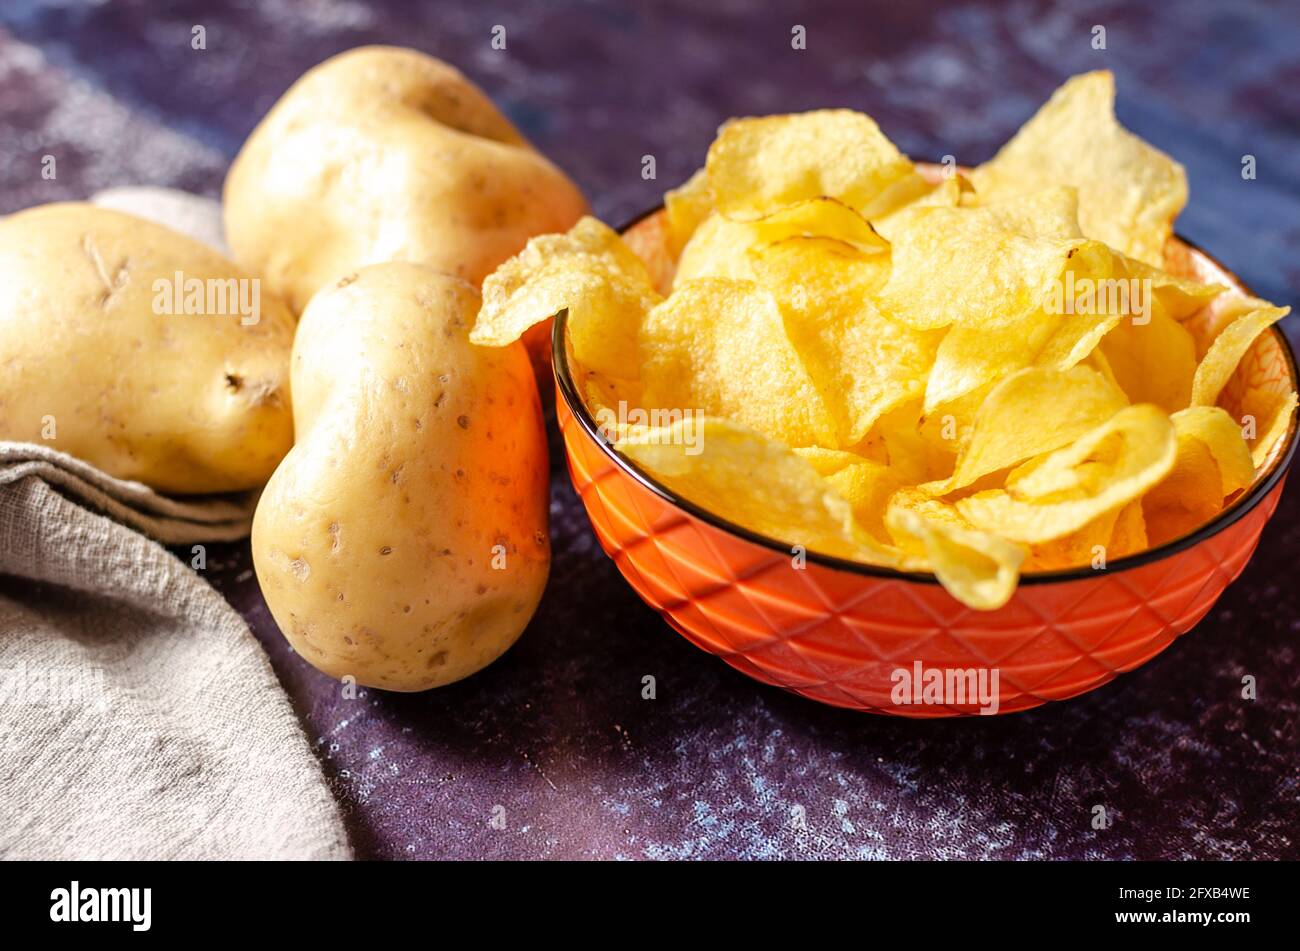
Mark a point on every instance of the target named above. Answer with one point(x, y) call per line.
point(838, 632)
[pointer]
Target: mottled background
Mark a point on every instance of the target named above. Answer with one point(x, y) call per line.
point(556, 733)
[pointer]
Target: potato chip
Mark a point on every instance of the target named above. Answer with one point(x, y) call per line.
point(1061, 492)
point(685, 208)
point(861, 363)
point(818, 218)
point(757, 166)
point(1221, 434)
point(981, 267)
point(590, 271)
point(720, 346)
point(1130, 533)
point(1230, 346)
point(977, 568)
point(1271, 413)
point(1212, 463)
point(791, 503)
point(915, 455)
point(1129, 192)
point(946, 194)
point(1154, 362)
point(720, 247)
point(1029, 413)
point(1086, 545)
point(1178, 297)
point(864, 483)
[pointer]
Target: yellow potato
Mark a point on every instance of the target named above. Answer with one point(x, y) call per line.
point(403, 541)
point(109, 355)
point(383, 154)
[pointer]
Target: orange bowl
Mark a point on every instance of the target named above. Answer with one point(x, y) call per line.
point(852, 635)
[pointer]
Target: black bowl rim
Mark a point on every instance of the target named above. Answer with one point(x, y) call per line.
point(1229, 516)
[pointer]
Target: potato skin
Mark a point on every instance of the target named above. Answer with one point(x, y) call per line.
point(417, 455)
point(184, 403)
point(382, 154)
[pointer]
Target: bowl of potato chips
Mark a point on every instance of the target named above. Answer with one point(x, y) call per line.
point(913, 439)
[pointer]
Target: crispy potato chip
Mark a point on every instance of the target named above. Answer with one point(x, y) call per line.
point(720, 346)
point(1064, 330)
point(982, 267)
point(977, 568)
point(862, 363)
point(720, 247)
point(1130, 534)
point(791, 503)
point(757, 166)
point(903, 191)
point(864, 483)
point(590, 271)
point(1272, 414)
point(910, 451)
point(946, 194)
point(1178, 297)
point(686, 207)
point(1129, 192)
point(1213, 462)
point(1230, 346)
point(818, 218)
point(1061, 492)
point(1029, 413)
point(1154, 362)
point(1084, 546)
point(1221, 433)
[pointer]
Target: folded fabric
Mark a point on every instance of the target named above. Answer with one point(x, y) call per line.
point(139, 717)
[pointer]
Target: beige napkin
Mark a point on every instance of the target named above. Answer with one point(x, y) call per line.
point(139, 717)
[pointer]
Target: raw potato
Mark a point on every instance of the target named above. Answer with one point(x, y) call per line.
point(403, 541)
point(184, 402)
point(383, 154)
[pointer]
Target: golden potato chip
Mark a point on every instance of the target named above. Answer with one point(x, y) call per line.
point(946, 194)
point(720, 247)
point(1061, 492)
point(986, 266)
point(1230, 346)
point(1087, 545)
point(1130, 533)
point(1212, 463)
point(590, 271)
point(791, 503)
point(977, 568)
point(720, 347)
point(915, 454)
point(1271, 413)
point(818, 218)
point(1221, 434)
point(865, 484)
point(1063, 330)
point(861, 363)
point(1154, 362)
point(1029, 413)
point(759, 165)
point(1178, 297)
point(1129, 192)
point(686, 207)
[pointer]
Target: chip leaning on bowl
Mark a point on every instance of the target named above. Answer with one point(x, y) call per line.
point(974, 374)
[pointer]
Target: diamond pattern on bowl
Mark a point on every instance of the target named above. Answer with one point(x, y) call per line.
point(837, 636)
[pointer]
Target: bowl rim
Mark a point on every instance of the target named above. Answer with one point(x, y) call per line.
point(1238, 509)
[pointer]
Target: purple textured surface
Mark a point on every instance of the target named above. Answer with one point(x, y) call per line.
point(555, 740)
